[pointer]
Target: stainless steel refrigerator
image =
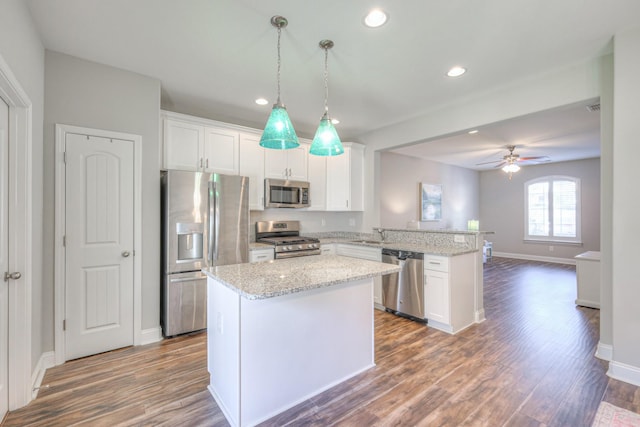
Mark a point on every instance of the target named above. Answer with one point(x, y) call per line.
point(205, 222)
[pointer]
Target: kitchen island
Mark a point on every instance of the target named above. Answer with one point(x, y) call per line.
point(280, 332)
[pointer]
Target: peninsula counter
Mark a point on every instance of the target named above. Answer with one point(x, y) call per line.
point(280, 332)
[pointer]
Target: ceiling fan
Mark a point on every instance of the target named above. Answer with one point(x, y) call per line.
point(509, 162)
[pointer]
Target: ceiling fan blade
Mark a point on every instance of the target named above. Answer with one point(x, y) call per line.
point(534, 158)
point(500, 165)
point(486, 163)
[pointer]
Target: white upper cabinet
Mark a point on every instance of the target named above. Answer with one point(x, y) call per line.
point(286, 164)
point(345, 179)
point(195, 144)
point(252, 165)
point(182, 142)
point(317, 178)
point(221, 151)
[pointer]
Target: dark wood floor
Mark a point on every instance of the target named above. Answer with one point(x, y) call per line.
point(529, 364)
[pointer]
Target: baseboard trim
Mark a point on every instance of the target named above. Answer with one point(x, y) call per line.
point(569, 261)
point(46, 361)
point(604, 352)
point(479, 316)
point(623, 372)
point(151, 335)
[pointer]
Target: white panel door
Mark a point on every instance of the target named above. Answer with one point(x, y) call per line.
point(99, 244)
point(4, 258)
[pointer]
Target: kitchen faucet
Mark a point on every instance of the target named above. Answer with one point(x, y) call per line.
point(381, 231)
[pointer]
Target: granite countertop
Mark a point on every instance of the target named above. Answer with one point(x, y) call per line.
point(270, 279)
point(404, 246)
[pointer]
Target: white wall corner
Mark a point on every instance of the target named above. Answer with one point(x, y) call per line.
point(46, 361)
point(623, 372)
point(151, 335)
point(604, 351)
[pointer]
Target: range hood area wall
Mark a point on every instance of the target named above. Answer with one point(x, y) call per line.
point(312, 221)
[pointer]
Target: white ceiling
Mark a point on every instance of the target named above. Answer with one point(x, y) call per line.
point(215, 57)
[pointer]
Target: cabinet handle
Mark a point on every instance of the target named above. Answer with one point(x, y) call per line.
point(207, 164)
point(434, 262)
point(200, 162)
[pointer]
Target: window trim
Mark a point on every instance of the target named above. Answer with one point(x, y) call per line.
point(553, 239)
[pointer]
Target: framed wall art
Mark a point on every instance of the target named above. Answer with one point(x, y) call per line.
point(431, 202)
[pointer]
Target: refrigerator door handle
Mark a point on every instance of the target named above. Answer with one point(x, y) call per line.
point(214, 222)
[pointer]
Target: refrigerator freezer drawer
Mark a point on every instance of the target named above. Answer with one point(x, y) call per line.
point(186, 304)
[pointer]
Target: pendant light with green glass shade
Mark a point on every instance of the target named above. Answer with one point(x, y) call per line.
point(278, 132)
point(326, 141)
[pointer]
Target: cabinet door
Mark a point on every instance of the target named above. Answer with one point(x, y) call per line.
point(357, 177)
point(252, 165)
point(297, 163)
point(182, 142)
point(275, 163)
point(339, 182)
point(221, 151)
point(318, 182)
point(436, 296)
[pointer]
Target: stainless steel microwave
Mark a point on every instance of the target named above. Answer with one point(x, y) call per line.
point(280, 193)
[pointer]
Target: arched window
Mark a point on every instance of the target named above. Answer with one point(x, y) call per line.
point(552, 209)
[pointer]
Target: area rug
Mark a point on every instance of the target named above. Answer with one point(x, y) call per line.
point(609, 415)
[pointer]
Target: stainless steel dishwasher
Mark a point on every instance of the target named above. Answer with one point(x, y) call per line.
point(403, 292)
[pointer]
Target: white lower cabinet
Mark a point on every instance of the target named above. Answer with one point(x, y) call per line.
point(449, 292)
point(258, 255)
point(365, 252)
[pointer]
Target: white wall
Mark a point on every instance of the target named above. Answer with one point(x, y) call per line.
point(606, 203)
point(400, 179)
point(502, 208)
point(21, 49)
point(84, 93)
point(554, 89)
point(626, 207)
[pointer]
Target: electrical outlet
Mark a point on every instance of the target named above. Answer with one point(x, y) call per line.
point(458, 238)
point(550, 248)
point(352, 222)
point(323, 222)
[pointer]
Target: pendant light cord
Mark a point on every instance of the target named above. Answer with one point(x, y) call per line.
point(326, 81)
point(278, 76)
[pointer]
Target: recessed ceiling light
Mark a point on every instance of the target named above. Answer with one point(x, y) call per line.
point(375, 18)
point(261, 101)
point(471, 132)
point(335, 121)
point(456, 71)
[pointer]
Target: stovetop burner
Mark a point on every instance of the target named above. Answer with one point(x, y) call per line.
point(286, 239)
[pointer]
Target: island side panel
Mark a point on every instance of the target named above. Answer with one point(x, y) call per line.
point(296, 346)
point(223, 348)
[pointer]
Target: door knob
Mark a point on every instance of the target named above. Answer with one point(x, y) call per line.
point(125, 253)
point(11, 276)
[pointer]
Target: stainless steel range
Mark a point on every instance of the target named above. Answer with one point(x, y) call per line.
point(286, 239)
